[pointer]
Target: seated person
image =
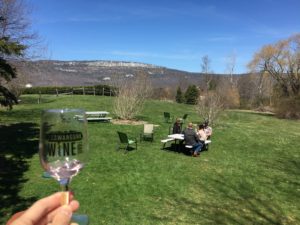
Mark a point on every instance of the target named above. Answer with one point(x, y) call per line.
point(201, 133)
point(177, 127)
point(202, 136)
point(191, 138)
point(207, 129)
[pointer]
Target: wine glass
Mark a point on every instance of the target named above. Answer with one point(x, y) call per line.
point(63, 148)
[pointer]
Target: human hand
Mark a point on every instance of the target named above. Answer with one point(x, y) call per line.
point(47, 210)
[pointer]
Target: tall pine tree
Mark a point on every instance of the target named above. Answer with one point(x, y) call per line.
point(191, 95)
point(7, 71)
point(179, 96)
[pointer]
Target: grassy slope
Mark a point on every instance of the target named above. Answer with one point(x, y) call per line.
point(250, 175)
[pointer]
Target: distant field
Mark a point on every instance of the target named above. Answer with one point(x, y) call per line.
point(250, 175)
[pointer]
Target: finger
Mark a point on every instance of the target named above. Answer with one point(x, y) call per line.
point(15, 217)
point(63, 216)
point(73, 204)
point(42, 207)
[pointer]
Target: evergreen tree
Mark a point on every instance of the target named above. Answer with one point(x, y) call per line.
point(15, 37)
point(191, 95)
point(179, 96)
point(8, 49)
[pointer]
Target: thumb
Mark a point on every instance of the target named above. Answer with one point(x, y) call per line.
point(63, 216)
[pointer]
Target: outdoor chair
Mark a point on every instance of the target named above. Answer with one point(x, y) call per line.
point(148, 133)
point(46, 174)
point(125, 142)
point(167, 117)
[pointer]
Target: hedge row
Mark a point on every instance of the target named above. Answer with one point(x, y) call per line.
point(76, 90)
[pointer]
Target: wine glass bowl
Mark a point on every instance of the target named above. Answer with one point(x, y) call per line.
point(63, 145)
point(63, 142)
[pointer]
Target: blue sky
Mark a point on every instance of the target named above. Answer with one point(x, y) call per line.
point(174, 34)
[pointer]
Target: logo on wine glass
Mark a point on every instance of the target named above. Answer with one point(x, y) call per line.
point(67, 143)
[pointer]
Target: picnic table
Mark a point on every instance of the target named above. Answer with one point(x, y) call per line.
point(180, 137)
point(172, 137)
point(98, 116)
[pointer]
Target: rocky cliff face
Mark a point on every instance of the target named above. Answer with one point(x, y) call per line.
point(83, 73)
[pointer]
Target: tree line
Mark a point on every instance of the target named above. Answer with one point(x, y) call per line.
point(273, 82)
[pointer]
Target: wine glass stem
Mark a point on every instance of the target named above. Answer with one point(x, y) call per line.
point(64, 187)
point(65, 197)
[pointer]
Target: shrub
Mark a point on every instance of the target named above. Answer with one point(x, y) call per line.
point(288, 108)
point(209, 107)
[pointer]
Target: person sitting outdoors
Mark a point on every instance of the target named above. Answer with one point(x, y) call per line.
point(177, 127)
point(191, 138)
point(202, 136)
point(207, 129)
point(201, 133)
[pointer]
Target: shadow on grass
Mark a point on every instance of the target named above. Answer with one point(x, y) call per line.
point(286, 176)
point(242, 203)
point(17, 115)
point(239, 208)
point(126, 150)
point(178, 148)
point(18, 143)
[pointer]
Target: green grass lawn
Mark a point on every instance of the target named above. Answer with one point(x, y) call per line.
point(250, 175)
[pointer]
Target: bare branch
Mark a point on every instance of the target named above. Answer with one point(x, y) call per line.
point(209, 107)
point(282, 61)
point(131, 96)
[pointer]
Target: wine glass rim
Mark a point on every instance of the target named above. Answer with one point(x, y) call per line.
point(63, 110)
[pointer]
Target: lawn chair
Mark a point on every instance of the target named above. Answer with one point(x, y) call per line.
point(125, 142)
point(148, 133)
point(167, 117)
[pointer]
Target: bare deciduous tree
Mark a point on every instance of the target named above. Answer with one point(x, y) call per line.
point(282, 61)
point(230, 67)
point(209, 107)
point(131, 95)
point(263, 89)
point(229, 94)
point(15, 22)
point(228, 88)
point(205, 69)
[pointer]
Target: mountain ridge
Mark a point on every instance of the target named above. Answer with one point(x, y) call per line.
point(93, 72)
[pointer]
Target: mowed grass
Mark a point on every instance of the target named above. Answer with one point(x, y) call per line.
point(250, 175)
